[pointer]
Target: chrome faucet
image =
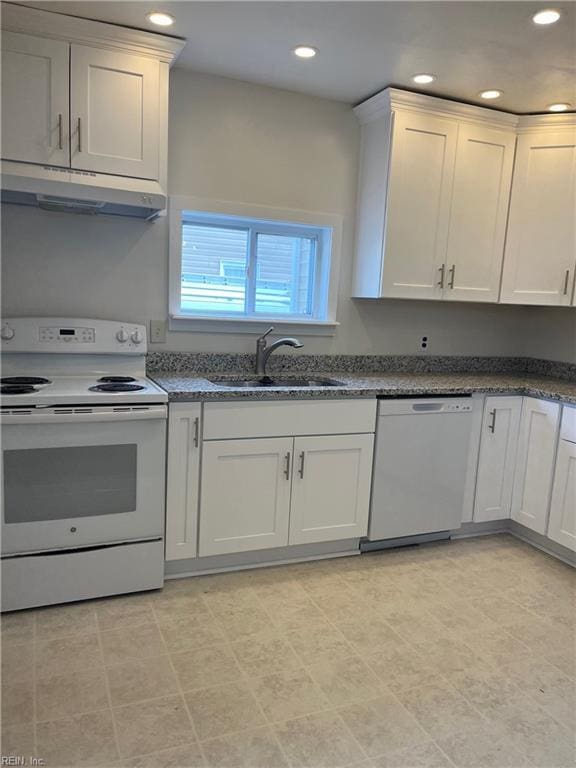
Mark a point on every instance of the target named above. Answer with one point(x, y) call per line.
point(263, 351)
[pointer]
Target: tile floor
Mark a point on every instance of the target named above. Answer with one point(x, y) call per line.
point(456, 654)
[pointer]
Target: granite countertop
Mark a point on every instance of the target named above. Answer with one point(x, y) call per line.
point(183, 387)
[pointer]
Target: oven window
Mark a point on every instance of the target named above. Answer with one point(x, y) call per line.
point(59, 483)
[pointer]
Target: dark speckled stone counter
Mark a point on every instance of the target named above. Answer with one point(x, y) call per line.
point(183, 387)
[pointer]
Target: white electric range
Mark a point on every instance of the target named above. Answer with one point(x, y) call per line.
point(83, 462)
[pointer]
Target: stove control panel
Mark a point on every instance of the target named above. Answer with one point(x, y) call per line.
point(68, 335)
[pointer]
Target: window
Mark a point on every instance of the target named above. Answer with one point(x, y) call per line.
point(239, 268)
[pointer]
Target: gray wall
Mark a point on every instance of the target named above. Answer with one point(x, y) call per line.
point(231, 140)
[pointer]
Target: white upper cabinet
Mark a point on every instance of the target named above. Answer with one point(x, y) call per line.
point(114, 105)
point(433, 198)
point(540, 259)
point(35, 117)
point(482, 179)
point(535, 463)
point(421, 172)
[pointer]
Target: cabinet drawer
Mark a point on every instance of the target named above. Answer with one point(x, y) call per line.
point(568, 429)
point(288, 417)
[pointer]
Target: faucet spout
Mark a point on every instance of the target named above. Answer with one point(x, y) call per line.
point(263, 351)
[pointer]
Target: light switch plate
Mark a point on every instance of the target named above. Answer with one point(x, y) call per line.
point(157, 331)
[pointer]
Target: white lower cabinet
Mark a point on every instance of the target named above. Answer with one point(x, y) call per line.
point(183, 480)
point(498, 443)
point(330, 488)
point(535, 463)
point(562, 522)
point(245, 501)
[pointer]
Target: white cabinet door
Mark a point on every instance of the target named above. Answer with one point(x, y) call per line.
point(114, 112)
point(35, 99)
point(540, 256)
point(497, 458)
point(330, 488)
point(418, 207)
point(562, 524)
point(483, 175)
point(245, 497)
point(183, 480)
point(535, 463)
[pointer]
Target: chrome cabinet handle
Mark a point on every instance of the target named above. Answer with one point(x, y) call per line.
point(301, 470)
point(60, 137)
point(79, 124)
point(492, 426)
point(287, 467)
point(442, 270)
point(452, 272)
point(566, 279)
point(196, 432)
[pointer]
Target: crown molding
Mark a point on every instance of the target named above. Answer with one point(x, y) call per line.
point(389, 99)
point(58, 26)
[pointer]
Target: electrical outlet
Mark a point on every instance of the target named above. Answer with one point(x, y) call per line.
point(424, 342)
point(157, 331)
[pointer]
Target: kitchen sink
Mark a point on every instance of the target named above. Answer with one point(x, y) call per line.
point(268, 381)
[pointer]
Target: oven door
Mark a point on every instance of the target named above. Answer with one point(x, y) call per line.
point(78, 477)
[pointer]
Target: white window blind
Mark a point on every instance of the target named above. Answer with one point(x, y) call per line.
point(238, 267)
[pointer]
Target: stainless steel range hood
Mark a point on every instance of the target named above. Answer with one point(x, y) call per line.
point(70, 191)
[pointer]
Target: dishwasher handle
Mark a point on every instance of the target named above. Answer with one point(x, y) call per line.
point(427, 407)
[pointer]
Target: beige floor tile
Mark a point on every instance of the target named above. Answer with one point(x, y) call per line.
point(17, 740)
point(257, 748)
point(62, 620)
point(180, 605)
point(449, 656)
point(439, 709)
point(232, 602)
point(459, 616)
point(134, 642)
point(152, 726)
point(548, 686)
point(422, 629)
point(17, 660)
point(188, 756)
point(142, 679)
point(17, 702)
point(62, 693)
point(124, 612)
point(292, 615)
point(189, 634)
point(383, 725)
point(288, 694)
point(422, 756)
point(502, 611)
point(206, 666)
point(77, 741)
point(487, 689)
point(264, 654)
point(239, 625)
point(321, 740)
point(17, 625)
point(543, 637)
point(482, 747)
point(401, 668)
point(346, 680)
point(369, 634)
point(317, 641)
point(223, 709)
point(74, 652)
point(496, 646)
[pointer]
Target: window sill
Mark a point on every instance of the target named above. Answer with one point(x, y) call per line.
point(250, 325)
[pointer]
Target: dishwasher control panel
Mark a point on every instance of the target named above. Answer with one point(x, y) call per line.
point(451, 407)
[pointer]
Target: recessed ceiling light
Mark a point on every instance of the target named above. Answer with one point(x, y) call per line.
point(160, 18)
point(558, 107)
point(423, 79)
point(547, 16)
point(492, 93)
point(305, 51)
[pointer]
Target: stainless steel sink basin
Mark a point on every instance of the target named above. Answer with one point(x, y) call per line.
point(269, 381)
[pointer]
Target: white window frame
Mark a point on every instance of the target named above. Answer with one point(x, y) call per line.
point(272, 220)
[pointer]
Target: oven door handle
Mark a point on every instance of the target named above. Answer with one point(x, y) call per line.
point(79, 414)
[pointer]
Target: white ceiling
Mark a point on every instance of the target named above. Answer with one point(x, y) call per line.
point(365, 46)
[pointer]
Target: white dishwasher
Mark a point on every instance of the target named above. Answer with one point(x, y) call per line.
point(420, 466)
